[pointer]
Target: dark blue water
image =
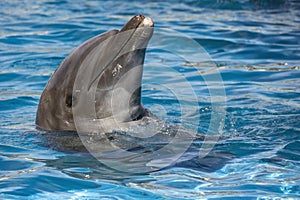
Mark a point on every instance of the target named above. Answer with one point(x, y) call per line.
point(255, 45)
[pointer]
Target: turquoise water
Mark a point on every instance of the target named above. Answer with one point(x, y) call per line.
point(256, 47)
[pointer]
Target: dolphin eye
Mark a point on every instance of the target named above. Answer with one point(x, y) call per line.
point(69, 101)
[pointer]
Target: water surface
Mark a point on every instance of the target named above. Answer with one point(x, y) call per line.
point(254, 44)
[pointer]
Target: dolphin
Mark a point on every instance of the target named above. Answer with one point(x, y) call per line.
point(55, 111)
point(100, 82)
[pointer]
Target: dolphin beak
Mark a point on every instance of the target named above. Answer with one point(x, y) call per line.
point(138, 21)
point(133, 37)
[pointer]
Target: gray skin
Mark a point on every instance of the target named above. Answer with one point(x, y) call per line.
point(55, 107)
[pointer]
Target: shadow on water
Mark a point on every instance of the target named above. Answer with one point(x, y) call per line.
point(77, 161)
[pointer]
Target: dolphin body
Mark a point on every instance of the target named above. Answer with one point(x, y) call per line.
point(117, 59)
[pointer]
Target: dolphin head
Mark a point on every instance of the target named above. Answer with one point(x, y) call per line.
point(113, 62)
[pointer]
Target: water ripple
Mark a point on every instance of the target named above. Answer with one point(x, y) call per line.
point(255, 46)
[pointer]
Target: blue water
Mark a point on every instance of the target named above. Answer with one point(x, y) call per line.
point(254, 43)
